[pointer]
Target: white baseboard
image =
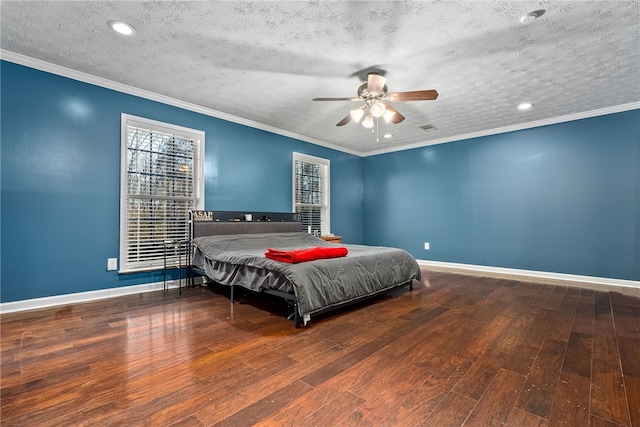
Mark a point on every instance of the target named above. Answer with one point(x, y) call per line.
point(56, 300)
point(532, 273)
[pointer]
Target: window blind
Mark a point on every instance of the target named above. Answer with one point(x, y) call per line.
point(311, 187)
point(160, 187)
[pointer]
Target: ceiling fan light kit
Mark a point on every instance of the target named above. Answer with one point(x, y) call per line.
point(368, 121)
point(357, 114)
point(376, 97)
point(377, 109)
point(388, 115)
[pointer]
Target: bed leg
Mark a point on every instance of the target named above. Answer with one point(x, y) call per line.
point(232, 299)
point(410, 285)
point(296, 316)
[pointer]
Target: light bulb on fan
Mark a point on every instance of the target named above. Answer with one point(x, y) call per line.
point(357, 114)
point(368, 121)
point(378, 109)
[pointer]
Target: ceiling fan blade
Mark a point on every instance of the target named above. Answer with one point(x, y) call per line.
point(375, 83)
point(344, 121)
point(397, 117)
point(416, 95)
point(336, 99)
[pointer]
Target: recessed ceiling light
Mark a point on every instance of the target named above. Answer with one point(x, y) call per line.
point(531, 16)
point(388, 135)
point(122, 28)
point(525, 106)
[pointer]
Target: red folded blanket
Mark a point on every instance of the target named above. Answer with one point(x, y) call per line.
point(308, 254)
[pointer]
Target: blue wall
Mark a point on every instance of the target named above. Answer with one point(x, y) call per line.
point(563, 198)
point(60, 175)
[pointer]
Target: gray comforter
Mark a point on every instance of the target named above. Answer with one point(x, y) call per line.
point(317, 285)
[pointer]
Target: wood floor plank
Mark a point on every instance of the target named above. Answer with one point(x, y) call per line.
point(17, 384)
point(608, 394)
point(629, 349)
point(578, 357)
point(496, 404)
point(599, 422)
point(334, 411)
point(180, 400)
point(208, 385)
point(343, 363)
point(387, 406)
point(422, 394)
point(420, 348)
point(459, 337)
point(518, 417)
point(563, 317)
point(265, 406)
point(485, 310)
point(538, 391)
point(632, 387)
point(515, 333)
point(457, 349)
point(521, 359)
point(190, 421)
point(477, 379)
point(624, 321)
point(555, 298)
point(570, 404)
point(605, 347)
point(540, 328)
point(583, 320)
point(487, 333)
point(371, 378)
point(306, 405)
point(452, 411)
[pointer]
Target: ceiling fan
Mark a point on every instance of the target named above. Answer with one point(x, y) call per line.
point(376, 97)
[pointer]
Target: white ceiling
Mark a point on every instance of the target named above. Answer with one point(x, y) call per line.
point(264, 61)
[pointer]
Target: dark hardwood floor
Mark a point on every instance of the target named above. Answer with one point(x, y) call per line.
point(457, 350)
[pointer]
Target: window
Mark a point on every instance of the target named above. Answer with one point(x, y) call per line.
point(311, 191)
point(161, 179)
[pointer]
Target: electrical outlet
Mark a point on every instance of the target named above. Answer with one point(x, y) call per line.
point(426, 246)
point(112, 264)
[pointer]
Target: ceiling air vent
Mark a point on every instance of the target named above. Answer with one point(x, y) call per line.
point(428, 127)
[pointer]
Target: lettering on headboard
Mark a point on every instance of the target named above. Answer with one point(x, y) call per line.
point(202, 215)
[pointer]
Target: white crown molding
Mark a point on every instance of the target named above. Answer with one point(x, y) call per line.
point(533, 274)
point(130, 90)
point(521, 126)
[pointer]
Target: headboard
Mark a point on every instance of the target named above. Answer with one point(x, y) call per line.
point(208, 223)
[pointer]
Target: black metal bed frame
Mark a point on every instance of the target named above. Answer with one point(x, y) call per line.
point(233, 222)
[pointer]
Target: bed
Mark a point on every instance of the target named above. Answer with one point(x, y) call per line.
point(231, 251)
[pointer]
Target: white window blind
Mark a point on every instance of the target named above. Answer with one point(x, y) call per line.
point(311, 191)
point(161, 181)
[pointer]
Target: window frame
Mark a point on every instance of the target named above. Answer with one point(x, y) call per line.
point(127, 120)
point(325, 226)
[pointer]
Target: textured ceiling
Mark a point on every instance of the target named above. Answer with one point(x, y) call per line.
point(264, 61)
